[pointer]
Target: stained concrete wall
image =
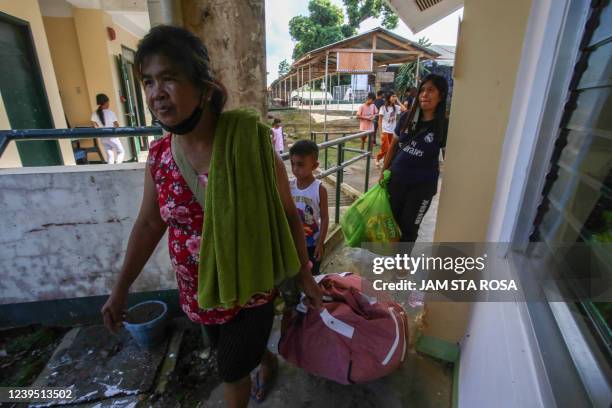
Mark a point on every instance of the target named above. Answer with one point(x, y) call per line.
point(65, 231)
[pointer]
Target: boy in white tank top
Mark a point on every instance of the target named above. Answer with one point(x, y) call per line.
point(310, 198)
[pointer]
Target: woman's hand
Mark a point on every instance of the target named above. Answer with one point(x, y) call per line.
point(146, 233)
point(319, 250)
point(310, 288)
point(115, 310)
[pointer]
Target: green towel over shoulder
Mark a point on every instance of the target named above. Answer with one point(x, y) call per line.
point(247, 246)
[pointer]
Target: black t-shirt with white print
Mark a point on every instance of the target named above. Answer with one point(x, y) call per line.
point(416, 160)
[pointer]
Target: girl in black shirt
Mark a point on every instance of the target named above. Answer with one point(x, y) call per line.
point(413, 156)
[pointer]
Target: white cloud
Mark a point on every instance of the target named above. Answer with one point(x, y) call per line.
point(279, 45)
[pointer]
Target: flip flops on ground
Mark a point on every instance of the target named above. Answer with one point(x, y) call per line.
point(261, 387)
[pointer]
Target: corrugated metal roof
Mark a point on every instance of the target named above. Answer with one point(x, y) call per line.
point(366, 36)
point(385, 40)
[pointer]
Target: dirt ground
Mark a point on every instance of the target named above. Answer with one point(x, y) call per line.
point(25, 351)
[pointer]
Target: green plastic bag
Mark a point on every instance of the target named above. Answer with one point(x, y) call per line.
point(370, 218)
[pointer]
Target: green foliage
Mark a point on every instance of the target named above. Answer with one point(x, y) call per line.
point(406, 75)
point(323, 26)
point(325, 23)
point(359, 10)
point(325, 14)
point(283, 67)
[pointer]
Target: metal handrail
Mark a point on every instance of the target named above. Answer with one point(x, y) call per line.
point(6, 136)
point(335, 132)
point(338, 144)
point(18, 135)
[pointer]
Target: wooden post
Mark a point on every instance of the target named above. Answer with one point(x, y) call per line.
point(418, 68)
point(338, 75)
point(326, 90)
point(310, 100)
point(352, 96)
point(290, 90)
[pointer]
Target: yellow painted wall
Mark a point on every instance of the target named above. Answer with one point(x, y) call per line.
point(98, 53)
point(29, 11)
point(66, 55)
point(10, 157)
point(488, 55)
point(79, 90)
point(91, 34)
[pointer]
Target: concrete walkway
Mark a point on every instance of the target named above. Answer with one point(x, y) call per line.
point(111, 371)
point(420, 382)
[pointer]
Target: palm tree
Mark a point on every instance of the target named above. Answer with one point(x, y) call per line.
point(406, 75)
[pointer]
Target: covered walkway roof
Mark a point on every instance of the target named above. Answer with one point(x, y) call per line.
point(364, 52)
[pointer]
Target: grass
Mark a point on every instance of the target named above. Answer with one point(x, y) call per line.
point(332, 153)
point(296, 126)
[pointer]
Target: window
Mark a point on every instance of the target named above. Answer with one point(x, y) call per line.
point(574, 218)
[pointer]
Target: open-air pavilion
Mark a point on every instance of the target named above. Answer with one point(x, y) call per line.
point(368, 53)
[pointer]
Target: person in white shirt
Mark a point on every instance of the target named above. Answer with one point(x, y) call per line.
point(389, 113)
point(103, 117)
point(278, 136)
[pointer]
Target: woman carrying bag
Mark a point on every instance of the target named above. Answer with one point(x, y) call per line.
point(413, 156)
point(214, 182)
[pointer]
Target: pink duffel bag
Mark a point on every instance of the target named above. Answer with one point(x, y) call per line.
point(354, 339)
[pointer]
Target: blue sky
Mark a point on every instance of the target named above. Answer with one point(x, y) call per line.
point(279, 45)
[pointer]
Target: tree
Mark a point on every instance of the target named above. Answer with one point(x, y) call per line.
point(325, 22)
point(324, 25)
point(283, 68)
point(406, 75)
point(359, 10)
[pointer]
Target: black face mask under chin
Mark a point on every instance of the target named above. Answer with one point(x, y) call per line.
point(187, 125)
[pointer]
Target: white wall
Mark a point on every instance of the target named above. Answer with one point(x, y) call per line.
point(65, 231)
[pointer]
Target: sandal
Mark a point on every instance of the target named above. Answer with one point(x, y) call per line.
point(260, 392)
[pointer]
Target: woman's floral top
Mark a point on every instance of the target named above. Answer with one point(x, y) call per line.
point(179, 208)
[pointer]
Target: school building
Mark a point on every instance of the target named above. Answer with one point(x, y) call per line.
point(57, 55)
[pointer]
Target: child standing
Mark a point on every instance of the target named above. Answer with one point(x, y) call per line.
point(366, 114)
point(389, 113)
point(310, 198)
point(103, 117)
point(379, 102)
point(278, 137)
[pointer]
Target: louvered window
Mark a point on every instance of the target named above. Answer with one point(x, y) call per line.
point(425, 4)
point(576, 202)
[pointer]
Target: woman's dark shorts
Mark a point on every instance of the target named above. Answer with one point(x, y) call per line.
point(242, 341)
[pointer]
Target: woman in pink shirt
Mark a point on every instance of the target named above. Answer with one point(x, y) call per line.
point(366, 114)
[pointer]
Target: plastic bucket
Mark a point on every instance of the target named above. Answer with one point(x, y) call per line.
point(147, 322)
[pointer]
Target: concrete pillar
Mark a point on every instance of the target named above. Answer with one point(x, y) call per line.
point(234, 33)
point(165, 12)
